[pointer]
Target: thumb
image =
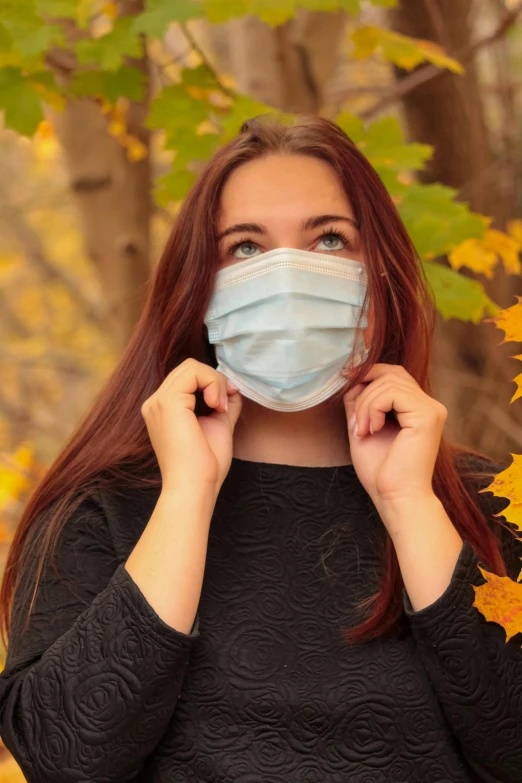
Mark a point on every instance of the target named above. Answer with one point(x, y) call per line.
point(349, 407)
point(235, 403)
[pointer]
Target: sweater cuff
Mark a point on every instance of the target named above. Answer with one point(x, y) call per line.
point(459, 593)
point(140, 606)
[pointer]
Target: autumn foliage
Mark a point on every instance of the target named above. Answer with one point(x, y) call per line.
point(500, 599)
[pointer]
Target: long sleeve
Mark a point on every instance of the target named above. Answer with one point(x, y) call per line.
point(89, 688)
point(476, 674)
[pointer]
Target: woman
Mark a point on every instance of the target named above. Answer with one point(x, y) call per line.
point(264, 549)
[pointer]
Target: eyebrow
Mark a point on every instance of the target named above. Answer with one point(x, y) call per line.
point(306, 225)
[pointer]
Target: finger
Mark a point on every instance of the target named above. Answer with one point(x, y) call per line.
point(379, 370)
point(372, 410)
point(234, 408)
point(231, 403)
point(219, 393)
point(231, 388)
point(352, 394)
point(191, 376)
point(370, 389)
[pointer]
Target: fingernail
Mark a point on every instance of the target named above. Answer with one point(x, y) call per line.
point(226, 403)
point(352, 420)
point(356, 429)
point(371, 429)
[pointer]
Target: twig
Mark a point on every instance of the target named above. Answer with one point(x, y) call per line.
point(428, 72)
point(162, 67)
point(32, 246)
point(190, 38)
point(437, 20)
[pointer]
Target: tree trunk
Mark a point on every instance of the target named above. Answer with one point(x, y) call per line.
point(113, 195)
point(447, 113)
point(287, 67)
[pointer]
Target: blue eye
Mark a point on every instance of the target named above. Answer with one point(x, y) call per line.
point(333, 241)
point(251, 249)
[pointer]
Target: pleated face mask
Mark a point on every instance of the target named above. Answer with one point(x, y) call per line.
point(283, 325)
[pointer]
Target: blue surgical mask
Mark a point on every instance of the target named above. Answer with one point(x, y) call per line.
point(283, 324)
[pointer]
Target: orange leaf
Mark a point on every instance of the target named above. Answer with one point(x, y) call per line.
point(518, 381)
point(500, 601)
point(514, 228)
point(510, 321)
point(474, 254)
point(508, 484)
point(507, 247)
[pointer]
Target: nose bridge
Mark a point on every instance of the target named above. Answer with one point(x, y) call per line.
point(284, 230)
point(289, 236)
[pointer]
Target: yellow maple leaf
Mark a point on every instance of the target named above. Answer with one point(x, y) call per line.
point(436, 55)
point(510, 321)
point(518, 381)
point(136, 150)
point(110, 10)
point(474, 254)
point(45, 128)
point(366, 40)
point(514, 229)
point(105, 104)
point(506, 247)
point(508, 484)
point(400, 49)
point(500, 601)
point(118, 118)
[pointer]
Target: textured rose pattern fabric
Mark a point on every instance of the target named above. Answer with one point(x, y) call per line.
point(265, 688)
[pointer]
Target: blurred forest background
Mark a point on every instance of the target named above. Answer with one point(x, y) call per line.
point(110, 109)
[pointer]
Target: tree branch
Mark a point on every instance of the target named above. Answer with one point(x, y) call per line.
point(32, 246)
point(428, 72)
point(196, 47)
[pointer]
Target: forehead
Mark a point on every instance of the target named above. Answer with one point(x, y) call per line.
point(286, 187)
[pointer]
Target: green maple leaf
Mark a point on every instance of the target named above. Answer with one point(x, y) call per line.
point(158, 14)
point(109, 50)
point(435, 221)
point(19, 100)
point(30, 34)
point(178, 114)
point(65, 9)
point(173, 186)
point(126, 82)
point(458, 296)
point(272, 12)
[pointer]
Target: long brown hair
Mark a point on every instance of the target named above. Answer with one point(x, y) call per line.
point(111, 445)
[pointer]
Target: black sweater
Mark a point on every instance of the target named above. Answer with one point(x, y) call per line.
point(264, 688)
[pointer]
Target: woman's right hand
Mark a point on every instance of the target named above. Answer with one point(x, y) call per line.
point(192, 452)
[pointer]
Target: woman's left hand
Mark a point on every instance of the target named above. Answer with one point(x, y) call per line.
point(394, 464)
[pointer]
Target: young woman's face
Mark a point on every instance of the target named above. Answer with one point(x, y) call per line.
point(275, 196)
point(265, 203)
